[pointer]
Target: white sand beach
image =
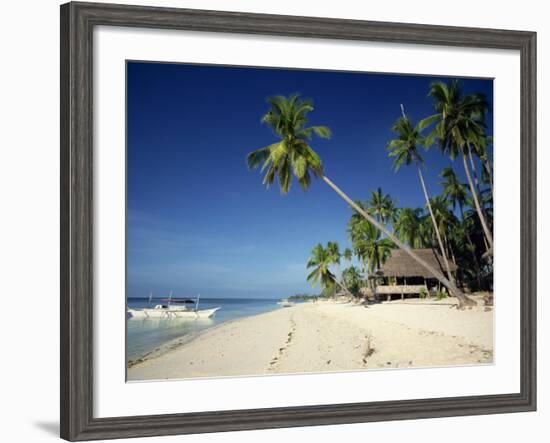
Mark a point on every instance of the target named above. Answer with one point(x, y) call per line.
point(329, 336)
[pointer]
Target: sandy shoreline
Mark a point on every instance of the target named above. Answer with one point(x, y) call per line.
point(328, 337)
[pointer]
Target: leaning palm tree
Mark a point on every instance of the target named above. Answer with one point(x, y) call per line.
point(405, 150)
point(292, 155)
point(460, 126)
point(320, 261)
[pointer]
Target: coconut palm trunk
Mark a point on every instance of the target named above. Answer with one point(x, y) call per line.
point(463, 300)
point(490, 175)
point(486, 230)
point(452, 255)
point(436, 229)
point(343, 286)
point(476, 178)
point(474, 171)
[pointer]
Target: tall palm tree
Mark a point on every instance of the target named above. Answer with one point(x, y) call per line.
point(333, 249)
point(363, 237)
point(426, 231)
point(445, 221)
point(320, 261)
point(455, 192)
point(292, 155)
point(460, 126)
point(463, 244)
point(482, 151)
point(407, 227)
point(382, 206)
point(471, 216)
point(355, 232)
point(405, 150)
point(373, 247)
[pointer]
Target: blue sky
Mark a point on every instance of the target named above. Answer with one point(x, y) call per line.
point(200, 222)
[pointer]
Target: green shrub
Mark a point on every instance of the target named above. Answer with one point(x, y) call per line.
point(440, 295)
point(423, 293)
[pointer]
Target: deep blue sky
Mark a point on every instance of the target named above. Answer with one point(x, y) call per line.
point(200, 222)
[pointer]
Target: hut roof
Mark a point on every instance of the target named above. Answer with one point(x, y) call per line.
point(401, 264)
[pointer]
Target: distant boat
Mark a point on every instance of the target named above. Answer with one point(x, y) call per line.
point(172, 308)
point(285, 303)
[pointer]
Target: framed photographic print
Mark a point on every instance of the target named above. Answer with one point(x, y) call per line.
point(273, 221)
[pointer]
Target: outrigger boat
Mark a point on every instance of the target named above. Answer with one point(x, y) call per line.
point(172, 308)
point(285, 303)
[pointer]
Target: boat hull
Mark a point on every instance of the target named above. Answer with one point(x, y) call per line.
point(171, 313)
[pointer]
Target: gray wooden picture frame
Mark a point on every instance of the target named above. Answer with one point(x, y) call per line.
point(77, 23)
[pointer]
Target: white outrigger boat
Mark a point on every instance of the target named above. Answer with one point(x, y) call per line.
point(285, 303)
point(172, 308)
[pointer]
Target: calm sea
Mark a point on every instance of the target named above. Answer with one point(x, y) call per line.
point(144, 335)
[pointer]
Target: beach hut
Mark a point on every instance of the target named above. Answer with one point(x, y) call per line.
point(403, 277)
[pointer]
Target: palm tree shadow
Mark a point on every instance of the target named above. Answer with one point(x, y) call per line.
point(49, 427)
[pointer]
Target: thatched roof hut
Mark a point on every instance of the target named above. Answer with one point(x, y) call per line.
point(401, 264)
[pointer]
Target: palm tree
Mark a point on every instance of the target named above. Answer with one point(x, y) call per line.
point(407, 227)
point(320, 261)
point(348, 254)
point(460, 126)
point(368, 243)
point(455, 192)
point(362, 236)
point(405, 150)
point(462, 241)
point(356, 227)
point(333, 250)
point(482, 151)
point(292, 155)
point(382, 206)
point(373, 247)
point(352, 278)
point(470, 215)
point(445, 220)
point(426, 231)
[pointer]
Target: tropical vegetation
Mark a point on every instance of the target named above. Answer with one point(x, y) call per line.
point(457, 222)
